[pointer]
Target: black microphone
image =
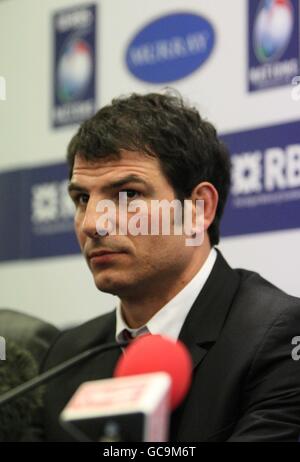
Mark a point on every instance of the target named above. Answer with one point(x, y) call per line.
point(17, 416)
point(56, 370)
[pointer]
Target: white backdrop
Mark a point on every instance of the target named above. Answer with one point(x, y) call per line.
point(61, 289)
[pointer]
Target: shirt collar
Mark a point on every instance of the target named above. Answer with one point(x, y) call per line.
point(170, 318)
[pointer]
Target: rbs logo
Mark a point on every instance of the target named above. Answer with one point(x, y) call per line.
point(274, 169)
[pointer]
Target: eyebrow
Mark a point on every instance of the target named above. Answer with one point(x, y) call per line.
point(75, 187)
point(114, 184)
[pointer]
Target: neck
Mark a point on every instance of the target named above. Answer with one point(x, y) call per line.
point(140, 308)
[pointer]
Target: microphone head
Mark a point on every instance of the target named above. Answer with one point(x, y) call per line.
point(16, 416)
point(154, 353)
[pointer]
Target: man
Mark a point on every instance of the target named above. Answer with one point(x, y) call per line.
point(237, 326)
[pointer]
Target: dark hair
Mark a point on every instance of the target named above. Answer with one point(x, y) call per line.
point(164, 126)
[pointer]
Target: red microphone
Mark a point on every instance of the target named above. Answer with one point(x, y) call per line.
point(151, 378)
point(154, 353)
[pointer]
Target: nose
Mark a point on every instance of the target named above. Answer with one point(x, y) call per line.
point(99, 218)
point(89, 222)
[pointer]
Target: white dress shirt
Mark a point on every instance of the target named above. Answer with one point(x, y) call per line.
point(170, 318)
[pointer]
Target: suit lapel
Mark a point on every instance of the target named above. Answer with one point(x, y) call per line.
point(108, 359)
point(208, 314)
point(204, 324)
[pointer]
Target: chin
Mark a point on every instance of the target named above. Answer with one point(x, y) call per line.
point(110, 285)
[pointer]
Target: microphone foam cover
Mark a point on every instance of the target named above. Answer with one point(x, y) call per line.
point(154, 353)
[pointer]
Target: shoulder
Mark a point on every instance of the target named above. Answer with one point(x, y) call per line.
point(262, 293)
point(79, 338)
point(255, 300)
point(258, 304)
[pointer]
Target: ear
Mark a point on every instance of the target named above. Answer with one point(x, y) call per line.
point(207, 192)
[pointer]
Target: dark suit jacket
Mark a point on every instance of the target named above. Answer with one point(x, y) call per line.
point(246, 386)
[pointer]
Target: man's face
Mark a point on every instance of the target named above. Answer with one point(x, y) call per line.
point(138, 264)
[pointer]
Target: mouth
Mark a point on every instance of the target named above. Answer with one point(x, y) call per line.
point(101, 257)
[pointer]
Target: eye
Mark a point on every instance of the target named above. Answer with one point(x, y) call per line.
point(81, 199)
point(131, 193)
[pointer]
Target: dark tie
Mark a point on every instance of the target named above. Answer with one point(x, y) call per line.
point(127, 336)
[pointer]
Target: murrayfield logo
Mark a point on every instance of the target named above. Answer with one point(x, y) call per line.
point(162, 217)
point(170, 48)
